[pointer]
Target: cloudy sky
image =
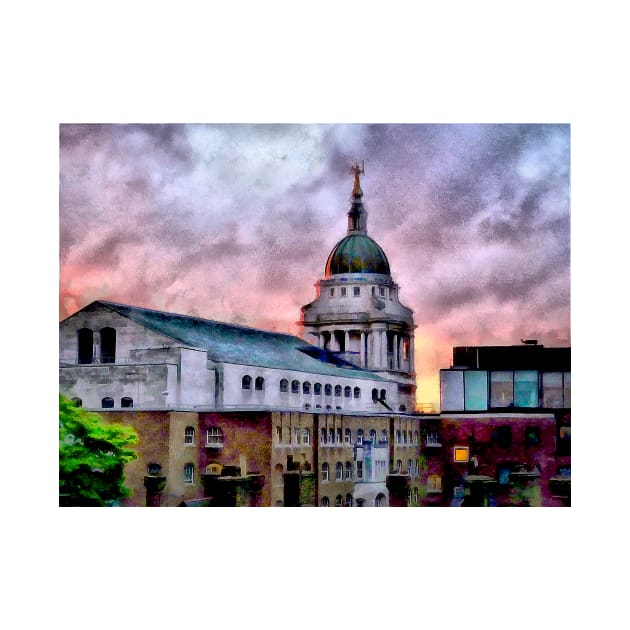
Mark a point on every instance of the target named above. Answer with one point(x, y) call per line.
point(235, 222)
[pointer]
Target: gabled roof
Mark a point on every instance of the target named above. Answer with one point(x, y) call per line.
point(229, 343)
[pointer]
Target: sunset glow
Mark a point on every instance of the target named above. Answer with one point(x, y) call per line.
point(235, 222)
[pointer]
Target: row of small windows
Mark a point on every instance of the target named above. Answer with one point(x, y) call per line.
point(379, 501)
point(345, 472)
point(108, 402)
point(348, 392)
point(85, 338)
point(356, 291)
point(214, 436)
point(337, 436)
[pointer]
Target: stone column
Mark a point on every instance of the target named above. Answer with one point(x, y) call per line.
point(362, 350)
point(384, 349)
point(347, 340)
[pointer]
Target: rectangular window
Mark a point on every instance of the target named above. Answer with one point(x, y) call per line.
point(344, 291)
point(460, 454)
point(503, 474)
point(504, 436)
point(552, 389)
point(359, 470)
point(332, 292)
point(297, 434)
point(567, 389)
point(382, 291)
point(476, 389)
point(501, 389)
point(452, 390)
point(532, 436)
point(526, 388)
point(356, 291)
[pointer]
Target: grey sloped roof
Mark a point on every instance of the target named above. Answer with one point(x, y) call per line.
point(229, 343)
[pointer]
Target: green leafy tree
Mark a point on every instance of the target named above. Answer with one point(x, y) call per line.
point(92, 455)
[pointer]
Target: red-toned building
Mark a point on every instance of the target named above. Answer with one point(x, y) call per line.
point(503, 437)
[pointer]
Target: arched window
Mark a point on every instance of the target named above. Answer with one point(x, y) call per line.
point(77, 402)
point(86, 345)
point(360, 436)
point(375, 395)
point(402, 408)
point(306, 436)
point(373, 436)
point(307, 406)
point(338, 407)
point(317, 390)
point(409, 467)
point(318, 406)
point(189, 473)
point(108, 345)
point(339, 435)
point(331, 436)
point(357, 392)
point(348, 502)
point(328, 407)
point(415, 437)
point(126, 402)
point(154, 469)
point(339, 471)
point(404, 436)
point(380, 500)
point(306, 387)
point(347, 436)
point(107, 403)
point(399, 466)
point(398, 437)
point(189, 435)
point(295, 387)
point(323, 436)
point(284, 385)
point(325, 502)
point(383, 395)
point(417, 468)
point(384, 436)
point(347, 391)
point(259, 383)
point(348, 470)
point(214, 436)
point(337, 390)
point(415, 496)
point(246, 383)
point(338, 500)
point(328, 389)
point(325, 470)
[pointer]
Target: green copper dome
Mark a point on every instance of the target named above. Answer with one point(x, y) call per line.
point(357, 253)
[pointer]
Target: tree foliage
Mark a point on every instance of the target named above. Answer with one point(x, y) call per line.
point(92, 455)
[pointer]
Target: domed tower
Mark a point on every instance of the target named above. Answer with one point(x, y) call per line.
point(357, 314)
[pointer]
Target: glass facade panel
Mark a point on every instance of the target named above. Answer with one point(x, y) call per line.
point(526, 388)
point(452, 390)
point(552, 389)
point(476, 388)
point(501, 389)
point(567, 389)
